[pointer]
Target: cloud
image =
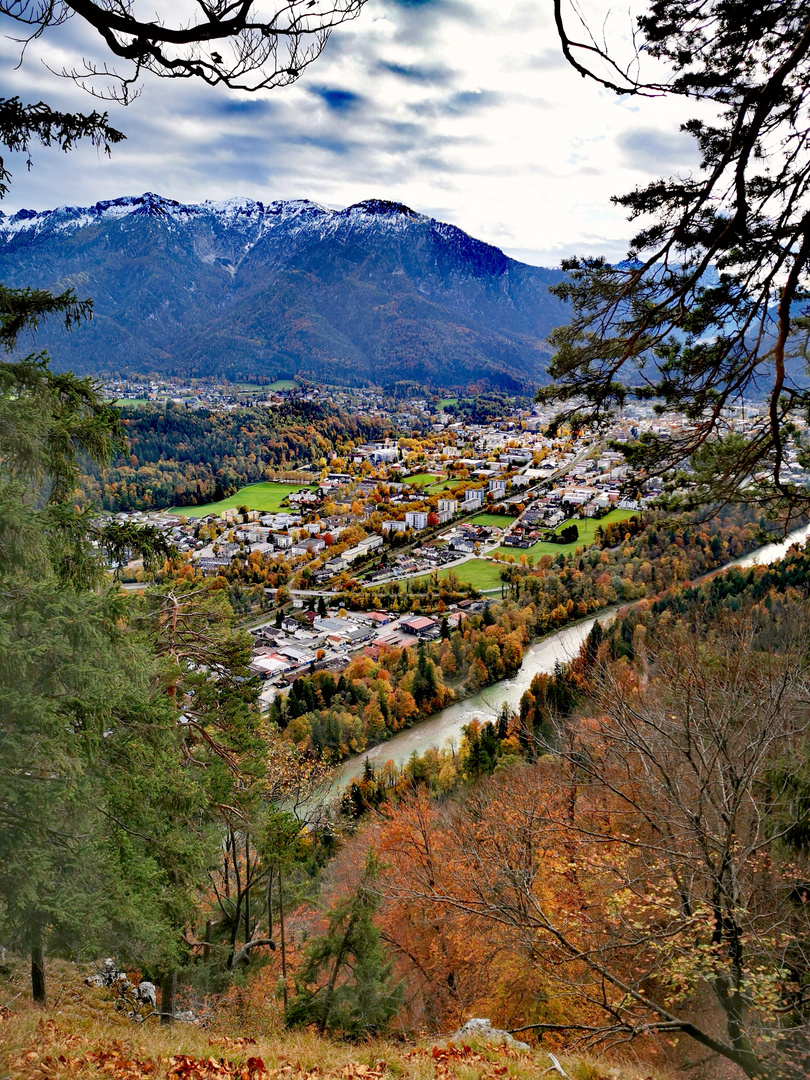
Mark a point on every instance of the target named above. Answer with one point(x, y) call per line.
point(252, 107)
point(437, 76)
point(461, 109)
point(460, 103)
point(338, 100)
point(330, 143)
point(656, 150)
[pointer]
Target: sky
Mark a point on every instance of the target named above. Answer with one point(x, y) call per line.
point(464, 110)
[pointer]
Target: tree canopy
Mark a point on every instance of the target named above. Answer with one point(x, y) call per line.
point(708, 310)
point(242, 44)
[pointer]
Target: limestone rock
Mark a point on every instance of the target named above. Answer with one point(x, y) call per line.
point(147, 993)
point(478, 1028)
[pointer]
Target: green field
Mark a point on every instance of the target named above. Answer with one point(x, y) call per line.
point(448, 401)
point(132, 401)
point(281, 384)
point(587, 532)
point(266, 497)
point(441, 485)
point(477, 572)
point(421, 479)
point(497, 521)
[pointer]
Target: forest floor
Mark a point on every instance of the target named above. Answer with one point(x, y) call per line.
point(80, 1036)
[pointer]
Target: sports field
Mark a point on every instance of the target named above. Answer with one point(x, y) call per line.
point(496, 521)
point(587, 531)
point(477, 572)
point(266, 497)
point(421, 479)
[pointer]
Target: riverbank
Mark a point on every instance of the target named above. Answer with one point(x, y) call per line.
point(540, 657)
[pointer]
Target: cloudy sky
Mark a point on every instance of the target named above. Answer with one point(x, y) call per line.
point(462, 109)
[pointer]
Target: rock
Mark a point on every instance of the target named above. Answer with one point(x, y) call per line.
point(147, 993)
point(94, 980)
point(478, 1028)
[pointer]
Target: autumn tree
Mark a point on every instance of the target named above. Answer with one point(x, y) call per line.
point(643, 871)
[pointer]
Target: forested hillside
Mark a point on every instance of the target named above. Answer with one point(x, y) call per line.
point(177, 456)
point(636, 867)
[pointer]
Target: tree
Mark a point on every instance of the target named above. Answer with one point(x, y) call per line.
point(357, 997)
point(71, 679)
point(643, 872)
point(708, 307)
point(19, 125)
point(242, 45)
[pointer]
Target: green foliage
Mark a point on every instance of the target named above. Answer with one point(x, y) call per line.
point(708, 308)
point(345, 984)
point(20, 125)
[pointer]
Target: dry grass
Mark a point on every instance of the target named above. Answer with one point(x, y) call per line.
point(80, 1036)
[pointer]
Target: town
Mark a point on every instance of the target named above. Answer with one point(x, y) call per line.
point(448, 504)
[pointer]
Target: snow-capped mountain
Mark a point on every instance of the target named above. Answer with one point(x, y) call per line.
point(374, 292)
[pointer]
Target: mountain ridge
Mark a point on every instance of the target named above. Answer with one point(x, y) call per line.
point(373, 292)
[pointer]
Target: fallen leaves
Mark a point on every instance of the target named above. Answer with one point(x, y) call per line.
point(114, 1062)
point(447, 1058)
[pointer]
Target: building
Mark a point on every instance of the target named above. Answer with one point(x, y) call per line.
point(448, 506)
point(420, 625)
point(363, 548)
point(416, 519)
point(393, 526)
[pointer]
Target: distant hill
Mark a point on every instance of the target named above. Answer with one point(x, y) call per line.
point(373, 293)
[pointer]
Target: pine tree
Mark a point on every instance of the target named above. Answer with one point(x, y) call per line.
point(345, 984)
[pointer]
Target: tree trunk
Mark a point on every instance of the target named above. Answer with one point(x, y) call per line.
point(38, 974)
point(168, 988)
point(270, 902)
point(283, 942)
point(248, 928)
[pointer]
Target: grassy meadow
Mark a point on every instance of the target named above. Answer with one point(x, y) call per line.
point(493, 521)
point(587, 531)
point(479, 573)
point(266, 497)
point(80, 1036)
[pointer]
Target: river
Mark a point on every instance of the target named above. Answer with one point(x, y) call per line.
point(560, 647)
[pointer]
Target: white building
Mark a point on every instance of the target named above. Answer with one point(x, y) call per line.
point(416, 519)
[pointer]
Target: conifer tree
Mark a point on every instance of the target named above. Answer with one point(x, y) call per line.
point(345, 984)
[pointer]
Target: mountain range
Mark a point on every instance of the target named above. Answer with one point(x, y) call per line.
point(373, 293)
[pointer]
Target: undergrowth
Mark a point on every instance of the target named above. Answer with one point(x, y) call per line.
point(80, 1036)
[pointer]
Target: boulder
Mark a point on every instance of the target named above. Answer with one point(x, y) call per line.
point(147, 993)
point(478, 1028)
